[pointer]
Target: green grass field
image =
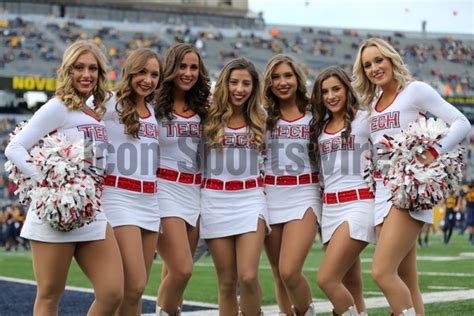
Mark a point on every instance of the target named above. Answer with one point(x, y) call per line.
point(438, 265)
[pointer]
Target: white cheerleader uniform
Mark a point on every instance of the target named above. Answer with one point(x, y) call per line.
point(291, 182)
point(76, 125)
point(130, 188)
point(411, 103)
point(179, 177)
point(346, 196)
point(232, 198)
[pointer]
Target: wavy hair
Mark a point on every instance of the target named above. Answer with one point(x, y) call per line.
point(65, 90)
point(197, 98)
point(320, 113)
point(362, 85)
point(125, 95)
point(221, 108)
point(271, 101)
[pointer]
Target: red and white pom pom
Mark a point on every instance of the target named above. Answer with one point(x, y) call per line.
point(415, 186)
point(369, 170)
point(69, 195)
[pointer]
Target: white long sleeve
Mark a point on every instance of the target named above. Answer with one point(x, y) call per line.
point(47, 119)
point(426, 99)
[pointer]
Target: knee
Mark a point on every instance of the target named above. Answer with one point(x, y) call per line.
point(134, 292)
point(290, 277)
point(325, 281)
point(49, 293)
point(228, 286)
point(111, 297)
point(183, 273)
point(248, 280)
point(379, 274)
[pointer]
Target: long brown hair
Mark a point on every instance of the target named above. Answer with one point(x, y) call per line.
point(197, 98)
point(320, 113)
point(221, 109)
point(270, 100)
point(126, 98)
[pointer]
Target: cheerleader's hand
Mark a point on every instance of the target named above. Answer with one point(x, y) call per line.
point(425, 158)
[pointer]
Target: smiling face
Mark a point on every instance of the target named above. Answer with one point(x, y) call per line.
point(188, 72)
point(146, 80)
point(334, 95)
point(284, 82)
point(85, 73)
point(377, 67)
point(240, 87)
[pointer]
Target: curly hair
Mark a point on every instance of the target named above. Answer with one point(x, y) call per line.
point(126, 96)
point(271, 101)
point(65, 90)
point(363, 86)
point(221, 108)
point(197, 98)
point(320, 113)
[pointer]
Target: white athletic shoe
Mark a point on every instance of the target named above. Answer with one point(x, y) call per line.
point(363, 314)
point(160, 312)
point(408, 312)
point(352, 311)
point(311, 311)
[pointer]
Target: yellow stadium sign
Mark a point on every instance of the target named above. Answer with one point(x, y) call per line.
point(33, 83)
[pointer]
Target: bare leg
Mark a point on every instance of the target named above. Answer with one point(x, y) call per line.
point(397, 237)
point(298, 237)
point(101, 262)
point(51, 262)
point(353, 282)
point(272, 248)
point(341, 254)
point(223, 254)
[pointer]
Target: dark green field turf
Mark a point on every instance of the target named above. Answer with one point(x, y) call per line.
point(446, 260)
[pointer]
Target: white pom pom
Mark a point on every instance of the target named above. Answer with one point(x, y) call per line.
point(414, 186)
point(69, 195)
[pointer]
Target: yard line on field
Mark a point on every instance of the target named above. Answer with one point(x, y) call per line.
point(309, 269)
point(375, 302)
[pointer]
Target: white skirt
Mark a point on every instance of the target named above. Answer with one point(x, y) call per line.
point(358, 214)
point(179, 200)
point(125, 207)
point(287, 203)
point(383, 206)
point(36, 229)
point(230, 213)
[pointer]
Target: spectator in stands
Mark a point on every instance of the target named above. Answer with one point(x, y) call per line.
point(82, 74)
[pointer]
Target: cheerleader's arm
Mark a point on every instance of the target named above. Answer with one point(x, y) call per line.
point(428, 100)
point(48, 118)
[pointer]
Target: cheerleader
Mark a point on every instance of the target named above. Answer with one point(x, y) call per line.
point(131, 175)
point(233, 209)
point(82, 73)
point(182, 104)
point(395, 99)
point(342, 135)
point(289, 173)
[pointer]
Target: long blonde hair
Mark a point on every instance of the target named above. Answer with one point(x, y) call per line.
point(366, 89)
point(65, 90)
point(126, 97)
point(221, 108)
point(270, 100)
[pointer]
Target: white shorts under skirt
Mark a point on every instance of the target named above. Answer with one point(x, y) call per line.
point(179, 200)
point(383, 206)
point(358, 214)
point(287, 203)
point(124, 207)
point(230, 213)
